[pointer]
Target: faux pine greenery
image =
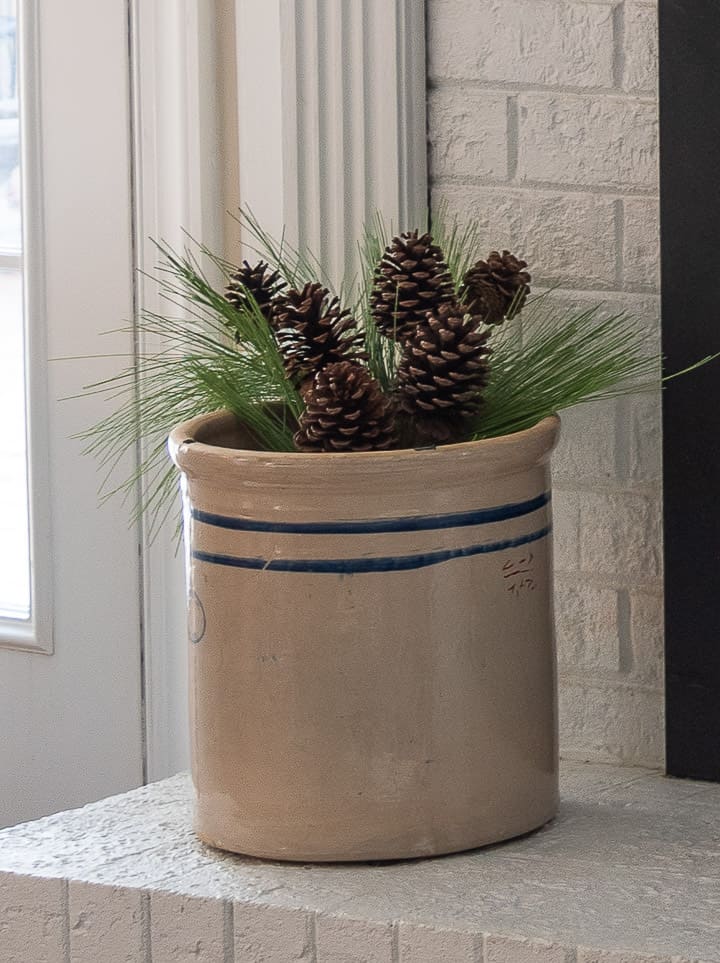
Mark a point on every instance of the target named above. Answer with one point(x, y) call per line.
point(428, 346)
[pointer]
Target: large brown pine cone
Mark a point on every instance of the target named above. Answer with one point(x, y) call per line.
point(497, 288)
point(259, 282)
point(312, 331)
point(411, 279)
point(442, 372)
point(346, 410)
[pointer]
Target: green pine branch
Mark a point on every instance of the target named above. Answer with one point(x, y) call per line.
point(542, 362)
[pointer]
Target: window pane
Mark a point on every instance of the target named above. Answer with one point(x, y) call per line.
point(14, 527)
point(10, 242)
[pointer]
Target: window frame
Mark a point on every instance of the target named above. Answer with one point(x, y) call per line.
point(34, 634)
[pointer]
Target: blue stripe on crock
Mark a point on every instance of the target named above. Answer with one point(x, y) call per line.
point(352, 566)
point(411, 523)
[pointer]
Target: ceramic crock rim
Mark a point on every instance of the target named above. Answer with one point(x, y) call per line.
point(184, 447)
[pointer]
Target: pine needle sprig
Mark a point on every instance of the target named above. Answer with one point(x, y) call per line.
point(183, 282)
point(549, 360)
point(557, 361)
point(195, 370)
point(299, 266)
point(461, 244)
point(172, 390)
point(383, 355)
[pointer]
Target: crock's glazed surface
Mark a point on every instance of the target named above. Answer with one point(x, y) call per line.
point(372, 655)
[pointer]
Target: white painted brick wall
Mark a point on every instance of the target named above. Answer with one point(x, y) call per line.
point(587, 450)
point(33, 920)
point(426, 944)
point(543, 125)
point(343, 940)
point(646, 637)
point(620, 536)
point(588, 635)
point(464, 147)
point(640, 46)
point(641, 243)
point(603, 719)
point(568, 238)
point(522, 42)
point(588, 140)
point(502, 949)
point(192, 930)
point(107, 923)
point(267, 934)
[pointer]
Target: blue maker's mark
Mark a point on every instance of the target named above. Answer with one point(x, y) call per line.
point(417, 523)
point(348, 566)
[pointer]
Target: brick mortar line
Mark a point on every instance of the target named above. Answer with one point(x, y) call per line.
point(483, 946)
point(626, 650)
point(616, 192)
point(312, 935)
point(145, 926)
point(395, 941)
point(513, 137)
point(438, 82)
point(606, 681)
point(620, 242)
point(652, 492)
point(618, 16)
point(564, 290)
point(648, 587)
point(567, 485)
point(65, 910)
point(577, 580)
point(611, 682)
point(622, 440)
point(635, 685)
point(478, 949)
point(650, 489)
point(632, 288)
point(228, 932)
point(635, 290)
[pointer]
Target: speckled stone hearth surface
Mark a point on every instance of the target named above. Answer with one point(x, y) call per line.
point(629, 871)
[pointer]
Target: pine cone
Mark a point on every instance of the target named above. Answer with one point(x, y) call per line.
point(346, 410)
point(497, 288)
point(411, 279)
point(255, 280)
point(442, 372)
point(313, 332)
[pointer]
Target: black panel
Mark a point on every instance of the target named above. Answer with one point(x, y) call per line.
point(690, 224)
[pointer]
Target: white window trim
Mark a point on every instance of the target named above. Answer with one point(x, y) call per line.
point(301, 168)
point(36, 633)
point(298, 168)
point(178, 188)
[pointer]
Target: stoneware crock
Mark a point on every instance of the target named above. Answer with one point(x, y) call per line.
point(372, 664)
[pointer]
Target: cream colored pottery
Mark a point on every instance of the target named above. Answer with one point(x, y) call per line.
point(372, 663)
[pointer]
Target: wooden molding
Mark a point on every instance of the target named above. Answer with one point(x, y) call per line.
point(332, 119)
